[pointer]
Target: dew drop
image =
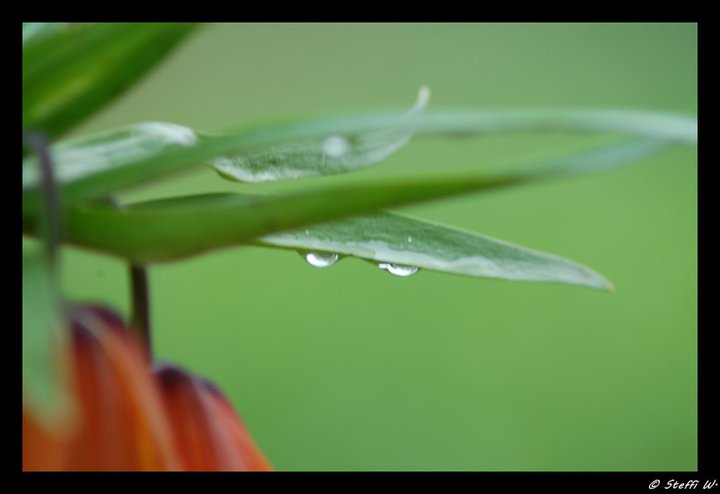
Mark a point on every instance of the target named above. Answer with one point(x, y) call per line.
point(409, 240)
point(398, 269)
point(335, 146)
point(321, 259)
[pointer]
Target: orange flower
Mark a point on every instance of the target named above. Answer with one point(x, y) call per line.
point(130, 417)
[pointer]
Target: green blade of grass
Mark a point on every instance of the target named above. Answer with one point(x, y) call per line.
point(70, 72)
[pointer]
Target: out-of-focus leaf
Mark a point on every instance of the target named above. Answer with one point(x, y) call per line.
point(180, 227)
point(43, 390)
point(99, 165)
point(400, 244)
point(32, 32)
point(89, 156)
point(319, 155)
point(70, 72)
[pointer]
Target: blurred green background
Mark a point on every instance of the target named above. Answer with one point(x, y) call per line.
point(350, 368)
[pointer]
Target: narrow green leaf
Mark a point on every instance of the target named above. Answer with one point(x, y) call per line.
point(175, 228)
point(70, 72)
point(43, 391)
point(99, 165)
point(318, 155)
point(32, 32)
point(97, 154)
point(399, 244)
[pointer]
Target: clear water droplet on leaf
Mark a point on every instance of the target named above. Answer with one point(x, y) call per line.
point(321, 259)
point(398, 269)
point(335, 146)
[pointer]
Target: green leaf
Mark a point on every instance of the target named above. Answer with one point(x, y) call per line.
point(43, 390)
point(97, 155)
point(174, 228)
point(32, 32)
point(99, 165)
point(398, 243)
point(321, 155)
point(71, 71)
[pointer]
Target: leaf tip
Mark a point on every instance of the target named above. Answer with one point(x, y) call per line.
point(423, 98)
point(602, 283)
point(424, 94)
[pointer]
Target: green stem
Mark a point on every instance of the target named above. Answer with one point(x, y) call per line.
point(140, 294)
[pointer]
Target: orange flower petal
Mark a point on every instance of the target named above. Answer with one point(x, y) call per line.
point(209, 435)
point(43, 450)
point(130, 418)
point(123, 425)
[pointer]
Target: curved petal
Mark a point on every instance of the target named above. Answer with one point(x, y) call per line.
point(129, 418)
point(123, 425)
point(44, 450)
point(209, 435)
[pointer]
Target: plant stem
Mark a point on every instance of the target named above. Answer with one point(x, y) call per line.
point(140, 297)
point(51, 194)
point(140, 293)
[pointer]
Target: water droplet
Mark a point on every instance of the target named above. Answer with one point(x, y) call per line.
point(409, 240)
point(398, 269)
point(321, 259)
point(335, 146)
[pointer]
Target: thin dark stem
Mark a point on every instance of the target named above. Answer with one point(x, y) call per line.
point(140, 292)
point(51, 193)
point(140, 297)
